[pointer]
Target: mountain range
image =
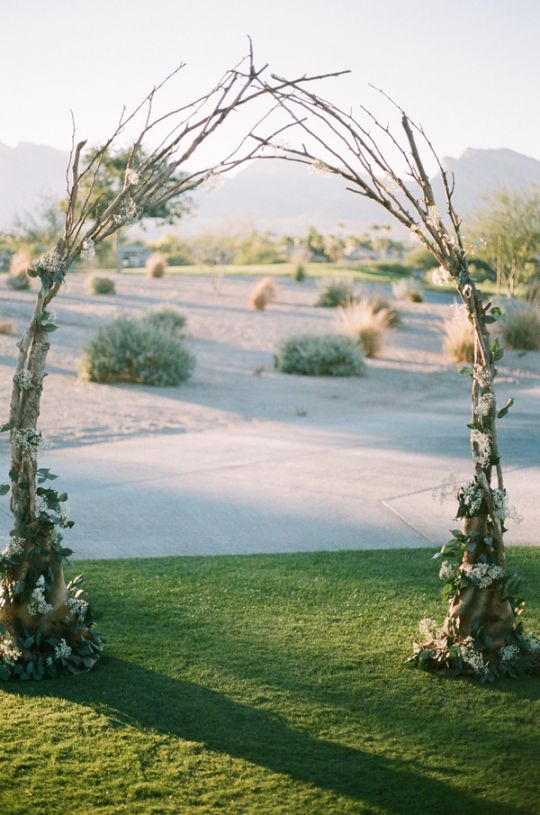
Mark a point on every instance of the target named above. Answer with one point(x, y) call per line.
point(271, 195)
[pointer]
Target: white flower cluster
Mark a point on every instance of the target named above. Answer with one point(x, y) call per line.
point(88, 249)
point(485, 405)
point(132, 177)
point(482, 574)
point(41, 505)
point(24, 379)
point(9, 652)
point(433, 217)
point(482, 440)
point(27, 440)
point(446, 572)
point(530, 643)
point(77, 608)
point(38, 603)
point(50, 262)
point(441, 276)
point(499, 499)
point(471, 495)
point(472, 657)
point(482, 376)
point(14, 547)
point(129, 212)
point(509, 652)
point(62, 650)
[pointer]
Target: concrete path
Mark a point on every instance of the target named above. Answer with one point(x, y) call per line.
point(298, 486)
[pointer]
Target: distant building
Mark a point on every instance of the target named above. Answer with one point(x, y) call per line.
point(5, 257)
point(133, 255)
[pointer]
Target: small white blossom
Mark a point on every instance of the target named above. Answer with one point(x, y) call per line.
point(482, 376)
point(88, 249)
point(446, 572)
point(472, 657)
point(433, 217)
point(50, 262)
point(38, 604)
point(62, 650)
point(485, 405)
point(441, 276)
point(482, 575)
point(14, 547)
point(509, 652)
point(471, 496)
point(132, 177)
point(9, 652)
point(482, 440)
point(78, 608)
point(24, 379)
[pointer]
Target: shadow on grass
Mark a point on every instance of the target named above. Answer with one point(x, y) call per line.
point(132, 695)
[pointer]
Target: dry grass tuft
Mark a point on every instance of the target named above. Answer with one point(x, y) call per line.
point(156, 265)
point(7, 327)
point(520, 328)
point(18, 271)
point(409, 289)
point(366, 325)
point(264, 293)
point(459, 339)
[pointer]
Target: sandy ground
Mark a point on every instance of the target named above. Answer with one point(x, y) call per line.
point(233, 381)
point(243, 459)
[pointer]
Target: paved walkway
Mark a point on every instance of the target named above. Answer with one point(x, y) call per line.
point(285, 487)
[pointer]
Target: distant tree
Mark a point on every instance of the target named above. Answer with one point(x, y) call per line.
point(36, 231)
point(506, 234)
point(420, 258)
point(177, 251)
point(314, 243)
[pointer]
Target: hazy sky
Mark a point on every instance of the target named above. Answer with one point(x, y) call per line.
point(468, 70)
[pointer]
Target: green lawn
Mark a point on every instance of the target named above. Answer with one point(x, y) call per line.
point(270, 684)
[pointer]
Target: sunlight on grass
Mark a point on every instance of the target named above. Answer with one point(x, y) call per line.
point(269, 684)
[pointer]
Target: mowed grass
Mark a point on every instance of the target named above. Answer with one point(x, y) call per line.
point(270, 684)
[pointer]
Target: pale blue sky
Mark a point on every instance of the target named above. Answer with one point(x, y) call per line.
point(467, 69)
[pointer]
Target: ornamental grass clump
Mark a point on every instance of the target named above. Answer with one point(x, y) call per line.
point(367, 326)
point(100, 284)
point(520, 328)
point(7, 327)
point(459, 336)
point(264, 293)
point(19, 264)
point(379, 303)
point(408, 289)
point(166, 319)
point(320, 355)
point(336, 293)
point(130, 350)
point(156, 265)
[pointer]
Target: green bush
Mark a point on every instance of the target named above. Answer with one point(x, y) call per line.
point(299, 273)
point(320, 355)
point(97, 284)
point(166, 319)
point(128, 350)
point(520, 328)
point(334, 293)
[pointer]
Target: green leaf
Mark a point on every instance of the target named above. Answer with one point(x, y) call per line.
point(62, 497)
point(465, 370)
point(45, 474)
point(4, 489)
point(49, 327)
point(504, 410)
point(6, 426)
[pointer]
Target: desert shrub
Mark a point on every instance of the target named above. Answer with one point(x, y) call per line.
point(531, 294)
point(166, 319)
point(264, 293)
point(335, 292)
point(379, 303)
point(459, 336)
point(128, 350)
point(7, 327)
point(408, 290)
point(320, 355)
point(299, 273)
point(98, 284)
point(18, 271)
point(520, 328)
point(365, 325)
point(156, 265)
point(389, 267)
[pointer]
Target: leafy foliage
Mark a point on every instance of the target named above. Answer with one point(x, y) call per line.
point(166, 319)
point(336, 292)
point(320, 355)
point(100, 284)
